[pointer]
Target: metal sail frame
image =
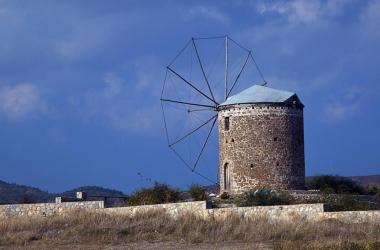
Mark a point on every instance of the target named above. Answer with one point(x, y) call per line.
point(210, 97)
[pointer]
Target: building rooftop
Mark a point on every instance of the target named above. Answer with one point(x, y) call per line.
point(260, 94)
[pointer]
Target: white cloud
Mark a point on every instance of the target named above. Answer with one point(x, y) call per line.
point(345, 106)
point(303, 12)
point(207, 12)
point(88, 37)
point(121, 106)
point(21, 101)
point(296, 11)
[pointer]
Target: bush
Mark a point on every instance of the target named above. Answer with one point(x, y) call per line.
point(265, 197)
point(378, 196)
point(346, 203)
point(197, 192)
point(334, 184)
point(371, 190)
point(159, 193)
point(224, 196)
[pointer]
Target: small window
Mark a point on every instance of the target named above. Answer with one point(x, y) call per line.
point(232, 140)
point(275, 139)
point(278, 164)
point(251, 166)
point(226, 123)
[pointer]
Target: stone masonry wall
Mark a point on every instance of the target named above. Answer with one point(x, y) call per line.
point(263, 147)
point(47, 209)
point(195, 207)
point(198, 208)
point(309, 212)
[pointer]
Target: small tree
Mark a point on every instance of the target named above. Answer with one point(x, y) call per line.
point(265, 197)
point(159, 193)
point(197, 192)
point(378, 196)
point(334, 184)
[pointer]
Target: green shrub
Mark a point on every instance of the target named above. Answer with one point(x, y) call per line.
point(197, 192)
point(371, 190)
point(224, 196)
point(378, 196)
point(159, 193)
point(345, 203)
point(265, 197)
point(334, 184)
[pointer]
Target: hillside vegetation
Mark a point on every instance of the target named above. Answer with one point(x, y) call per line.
point(13, 193)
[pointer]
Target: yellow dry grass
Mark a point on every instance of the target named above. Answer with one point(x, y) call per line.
point(88, 228)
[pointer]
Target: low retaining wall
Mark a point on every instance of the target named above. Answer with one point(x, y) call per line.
point(47, 209)
point(288, 212)
point(311, 212)
point(198, 208)
point(351, 216)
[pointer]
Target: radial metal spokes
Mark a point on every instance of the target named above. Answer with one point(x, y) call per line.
point(189, 167)
point(193, 131)
point(191, 85)
point(203, 72)
point(187, 103)
point(198, 79)
point(248, 59)
point(238, 76)
point(205, 143)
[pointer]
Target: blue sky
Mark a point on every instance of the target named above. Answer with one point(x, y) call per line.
point(80, 83)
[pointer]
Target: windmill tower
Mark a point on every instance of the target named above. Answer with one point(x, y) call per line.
point(260, 129)
point(261, 141)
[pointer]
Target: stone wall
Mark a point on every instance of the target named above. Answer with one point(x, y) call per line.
point(263, 147)
point(174, 209)
point(47, 209)
point(199, 209)
point(351, 216)
point(310, 212)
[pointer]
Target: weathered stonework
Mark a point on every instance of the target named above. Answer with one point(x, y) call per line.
point(309, 212)
point(263, 147)
point(47, 209)
point(198, 208)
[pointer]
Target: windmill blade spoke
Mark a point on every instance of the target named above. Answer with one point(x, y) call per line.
point(238, 44)
point(193, 131)
point(180, 52)
point(165, 125)
point(191, 85)
point(203, 72)
point(258, 69)
point(189, 167)
point(204, 144)
point(205, 177)
point(238, 76)
point(188, 103)
point(196, 110)
point(208, 38)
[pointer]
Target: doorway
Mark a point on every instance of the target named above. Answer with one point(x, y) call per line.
point(226, 177)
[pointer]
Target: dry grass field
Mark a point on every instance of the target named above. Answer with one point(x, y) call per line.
point(156, 230)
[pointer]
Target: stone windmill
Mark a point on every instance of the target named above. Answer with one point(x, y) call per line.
point(260, 129)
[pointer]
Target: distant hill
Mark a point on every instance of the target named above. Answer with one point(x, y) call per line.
point(13, 193)
point(369, 180)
